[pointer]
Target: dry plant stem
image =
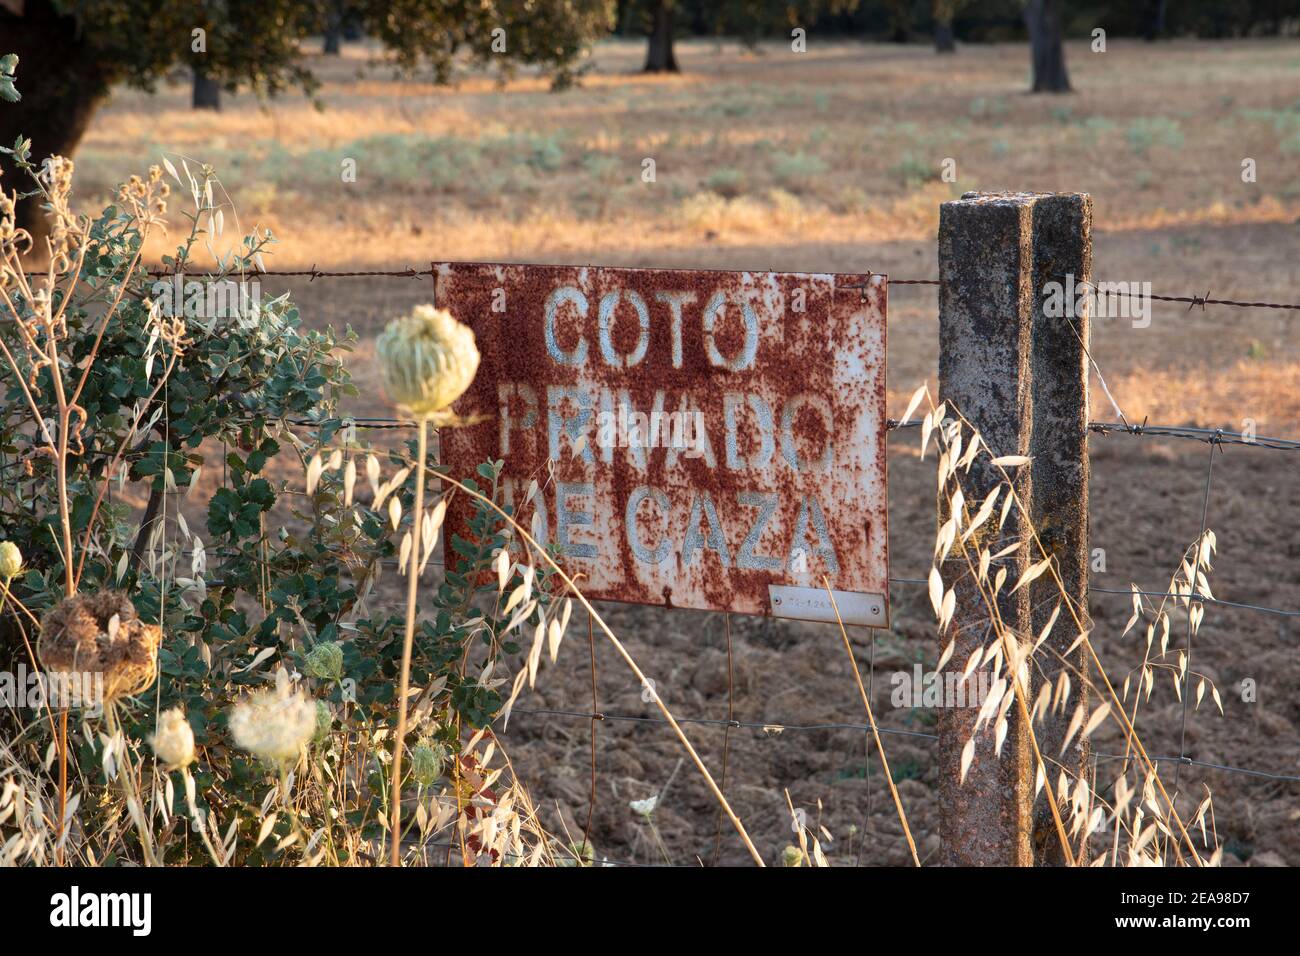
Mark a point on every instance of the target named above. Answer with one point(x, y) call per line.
point(1118, 707)
point(65, 522)
point(527, 801)
point(75, 271)
point(412, 587)
point(290, 805)
point(871, 718)
point(62, 725)
point(1115, 843)
point(217, 858)
point(627, 659)
point(1155, 776)
point(108, 314)
point(127, 772)
point(112, 468)
point(5, 598)
point(18, 375)
point(63, 778)
point(65, 410)
point(1146, 657)
point(7, 595)
point(1019, 692)
point(591, 802)
point(71, 586)
point(1116, 704)
point(801, 830)
point(65, 517)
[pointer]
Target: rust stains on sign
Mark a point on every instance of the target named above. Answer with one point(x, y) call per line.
point(698, 436)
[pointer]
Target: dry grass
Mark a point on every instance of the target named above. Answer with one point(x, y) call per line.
point(850, 133)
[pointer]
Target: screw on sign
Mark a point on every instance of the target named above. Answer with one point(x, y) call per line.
point(710, 440)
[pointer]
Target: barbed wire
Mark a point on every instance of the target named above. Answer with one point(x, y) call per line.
point(1213, 436)
point(392, 564)
point(1203, 599)
point(1191, 300)
point(1218, 436)
point(312, 274)
point(1192, 762)
point(409, 273)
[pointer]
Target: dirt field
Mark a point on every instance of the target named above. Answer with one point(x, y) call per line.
point(829, 161)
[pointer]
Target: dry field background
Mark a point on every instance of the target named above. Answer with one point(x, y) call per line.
point(828, 161)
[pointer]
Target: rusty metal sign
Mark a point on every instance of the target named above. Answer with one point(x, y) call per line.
point(710, 440)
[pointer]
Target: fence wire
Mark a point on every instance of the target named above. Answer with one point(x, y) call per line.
point(1213, 436)
point(1192, 301)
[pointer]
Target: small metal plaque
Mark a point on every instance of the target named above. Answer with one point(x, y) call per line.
point(814, 604)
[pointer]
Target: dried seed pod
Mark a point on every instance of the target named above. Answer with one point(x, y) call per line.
point(173, 742)
point(275, 725)
point(427, 359)
point(78, 639)
point(11, 560)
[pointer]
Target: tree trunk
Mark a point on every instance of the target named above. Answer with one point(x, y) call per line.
point(943, 38)
point(1043, 18)
point(333, 28)
point(659, 53)
point(1153, 19)
point(900, 20)
point(207, 92)
point(61, 83)
point(700, 25)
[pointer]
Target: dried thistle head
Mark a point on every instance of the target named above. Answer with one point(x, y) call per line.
point(11, 560)
point(101, 634)
point(173, 743)
point(427, 761)
point(427, 359)
point(325, 661)
point(275, 725)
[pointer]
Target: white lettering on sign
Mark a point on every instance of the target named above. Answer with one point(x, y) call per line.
point(700, 437)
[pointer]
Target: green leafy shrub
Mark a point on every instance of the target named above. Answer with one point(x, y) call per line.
point(137, 405)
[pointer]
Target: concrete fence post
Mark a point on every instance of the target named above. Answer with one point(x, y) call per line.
point(1059, 445)
point(1020, 376)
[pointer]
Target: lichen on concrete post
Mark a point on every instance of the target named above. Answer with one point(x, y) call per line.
point(1019, 373)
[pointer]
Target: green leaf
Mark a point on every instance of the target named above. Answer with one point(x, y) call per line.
point(8, 67)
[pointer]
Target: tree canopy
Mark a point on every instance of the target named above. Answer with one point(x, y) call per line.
point(74, 51)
